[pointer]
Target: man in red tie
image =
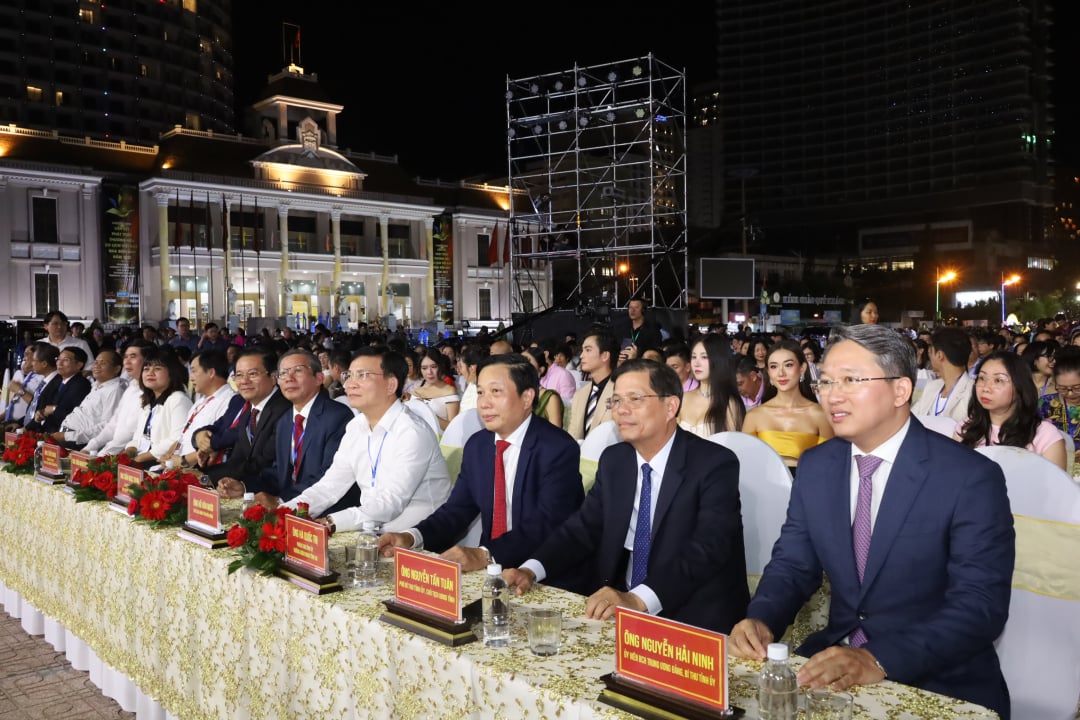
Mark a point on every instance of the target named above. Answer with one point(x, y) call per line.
point(305, 438)
point(519, 474)
point(246, 430)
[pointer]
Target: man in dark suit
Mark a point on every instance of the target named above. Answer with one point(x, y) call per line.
point(245, 433)
point(685, 560)
point(306, 437)
point(520, 475)
point(913, 530)
point(63, 393)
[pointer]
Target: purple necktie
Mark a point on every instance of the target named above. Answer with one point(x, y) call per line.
point(860, 529)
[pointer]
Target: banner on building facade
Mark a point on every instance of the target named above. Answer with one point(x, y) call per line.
point(443, 264)
point(120, 253)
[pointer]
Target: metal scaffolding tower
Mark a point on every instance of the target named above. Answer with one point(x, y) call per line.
point(600, 154)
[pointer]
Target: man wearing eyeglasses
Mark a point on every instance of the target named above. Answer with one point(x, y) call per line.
point(392, 454)
point(913, 530)
point(306, 437)
point(663, 522)
point(520, 474)
point(241, 443)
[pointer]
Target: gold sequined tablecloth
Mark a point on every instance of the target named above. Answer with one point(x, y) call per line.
point(210, 646)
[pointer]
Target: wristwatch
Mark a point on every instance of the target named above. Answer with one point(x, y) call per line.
point(332, 526)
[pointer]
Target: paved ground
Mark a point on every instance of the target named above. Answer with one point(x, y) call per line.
point(37, 683)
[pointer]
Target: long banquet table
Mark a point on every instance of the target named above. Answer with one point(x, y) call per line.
point(204, 644)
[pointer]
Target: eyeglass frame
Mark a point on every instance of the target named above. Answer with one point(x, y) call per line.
point(361, 375)
point(633, 402)
point(252, 375)
point(847, 384)
point(1068, 389)
point(294, 372)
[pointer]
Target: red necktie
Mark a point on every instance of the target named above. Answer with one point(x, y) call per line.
point(298, 444)
point(254, 419)
point(498, 510)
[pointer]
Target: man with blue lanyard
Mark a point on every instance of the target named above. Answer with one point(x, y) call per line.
point(392, 454)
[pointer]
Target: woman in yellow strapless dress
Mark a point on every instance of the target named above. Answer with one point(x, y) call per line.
point(789, 419)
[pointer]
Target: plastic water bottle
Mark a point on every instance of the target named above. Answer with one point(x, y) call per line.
point(367, 556)
point(496, 608)
point(778, 690)
point(247, 502)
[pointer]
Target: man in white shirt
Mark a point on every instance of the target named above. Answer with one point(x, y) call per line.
point(57, 325)
point(91, 415)
point(209, 375)
point(950, 393)
point(24, 383)
point(120, 427)
point(392, 454)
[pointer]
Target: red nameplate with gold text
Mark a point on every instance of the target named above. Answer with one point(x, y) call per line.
point(305, 543)
point(50, 459)
point(672, 657)
point(126, 476)
point(79, 461)
point(10, 439)
point(429, 583)
point(204, 508)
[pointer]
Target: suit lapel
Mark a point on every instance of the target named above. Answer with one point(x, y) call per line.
point(906, 480)
point(528, 446)
point(674, 475)
point(836, 504)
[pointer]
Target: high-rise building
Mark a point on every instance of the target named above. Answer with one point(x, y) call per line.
point(128, 70)
point(894, 132)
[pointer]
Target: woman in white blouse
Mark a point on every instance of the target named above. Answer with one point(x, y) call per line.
point(165, 407)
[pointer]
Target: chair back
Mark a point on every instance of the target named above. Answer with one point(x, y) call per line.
point(938, 423)
point(764, 491)
point(425, 413)
point(599, 439)
point(1040, 646)
point(1070, 451)
point(452, 442)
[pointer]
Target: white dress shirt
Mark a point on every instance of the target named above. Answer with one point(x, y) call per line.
point(120, 427)
point(30, 384)
point(91, 415)
point(398, 466)
point(468, 398)
point(953, 405)
point(204, 413)
point(165, 422)
point(887, 451)
point(72, 341)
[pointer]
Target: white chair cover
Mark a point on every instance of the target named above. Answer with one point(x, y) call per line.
point(421, 410)
point(452, 444)
point(764, 491)
point(599, 439)
point(938, 423)
point(1040, 647)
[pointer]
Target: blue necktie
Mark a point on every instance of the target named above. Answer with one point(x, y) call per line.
point(643, 529)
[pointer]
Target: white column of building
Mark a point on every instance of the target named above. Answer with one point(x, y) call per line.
point(286, 289)
point(163, 251)
point(384, 237)
point(336, 292)
point(226, 246)
point(90, 245)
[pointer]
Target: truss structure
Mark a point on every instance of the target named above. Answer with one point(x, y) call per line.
point(597, 165)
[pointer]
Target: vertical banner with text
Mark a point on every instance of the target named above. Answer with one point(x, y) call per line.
point(120, 253)
point(443, 248)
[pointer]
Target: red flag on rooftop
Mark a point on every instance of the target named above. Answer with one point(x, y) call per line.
point(493, 247)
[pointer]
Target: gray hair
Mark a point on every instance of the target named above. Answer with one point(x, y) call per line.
point(312, 361)
point(895, 354)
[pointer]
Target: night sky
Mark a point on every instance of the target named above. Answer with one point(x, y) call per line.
point(426, 81)
point(429, 83)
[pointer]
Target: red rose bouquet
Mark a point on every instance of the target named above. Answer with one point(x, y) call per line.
point(162, 499)
point(98, 480)
point(259, 538)
point(19, 459)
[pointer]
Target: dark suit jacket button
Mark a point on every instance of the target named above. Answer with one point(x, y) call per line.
point(862, 616)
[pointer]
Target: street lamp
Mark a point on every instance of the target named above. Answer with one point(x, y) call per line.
point(947, 277)
point(1012, 279)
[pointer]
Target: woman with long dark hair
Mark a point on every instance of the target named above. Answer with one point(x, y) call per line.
point(1040, 359)
point(865, 312)
point(549, 404)
point(1062, 407)
point(1004, 410)
point(435, 390)
point(715, 406)
point(165, 406)
point(789, 418)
